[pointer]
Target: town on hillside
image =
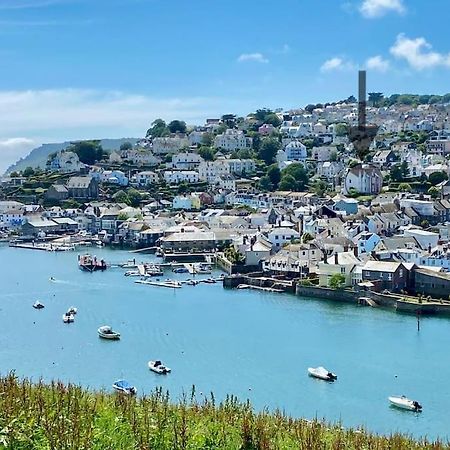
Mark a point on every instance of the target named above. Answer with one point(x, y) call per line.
point(283, 196)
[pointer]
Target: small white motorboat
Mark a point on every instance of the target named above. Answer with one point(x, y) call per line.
point(403, 402)
point(68, 318)
point(38, 305)
point(106, 332)
point(72, 310)
point(322, 374)
point(124, 387)
point(158, 367)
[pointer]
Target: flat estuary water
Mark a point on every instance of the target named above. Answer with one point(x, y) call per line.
point(255, 345)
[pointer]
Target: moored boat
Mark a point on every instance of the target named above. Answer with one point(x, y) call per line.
point(158, 367)
point(124, 387)
point(106, 332)
point(72, 311)
point(321, 373)
point(68, 318)
point(90, 263)
point(403, 402)
point(38, 305)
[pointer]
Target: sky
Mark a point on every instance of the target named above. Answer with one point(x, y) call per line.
point(80, 69)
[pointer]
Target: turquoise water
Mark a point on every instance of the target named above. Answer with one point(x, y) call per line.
point(251, 344)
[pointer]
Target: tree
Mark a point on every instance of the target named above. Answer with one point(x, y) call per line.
point(287, 183)
point(177, 126)
point(307, 237)
point(337, 281)
point(333, 155)
point(437, 177)
point(158, 129)
point(122, 216)
point(28, 172)
point(434, 192)
point(273, 119)
point(89, 152)
point(274, 174)
point(13, 174)
point(207, 139)
point(134, 197)
point(320, 187)
point(341, 129)
point(265, 184)
point(298, 172)
point(206, 153)
point(229, 120)
point(268, 150)
point(395, 174)
point(234, 256)
point(126, 146)
point(375, 98)
point(183, 187)
point(404, 187)
point(121, 197)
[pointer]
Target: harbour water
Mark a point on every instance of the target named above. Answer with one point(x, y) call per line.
point(255, 345)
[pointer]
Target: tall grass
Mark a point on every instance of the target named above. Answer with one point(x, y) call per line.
point(59, 417)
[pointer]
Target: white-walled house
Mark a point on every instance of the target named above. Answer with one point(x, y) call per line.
point(281, 235)
point(210, 171)
point(114, 177)
point(232, 140)
point(66, 162)
point(363, 178)
point(186, 160)
point(145, 178)
point(170, 144)
point(180, 176)
point(294, 151)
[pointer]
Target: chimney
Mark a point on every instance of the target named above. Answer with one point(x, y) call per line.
point(336, 258)
point(325, 257)
point(355, 251)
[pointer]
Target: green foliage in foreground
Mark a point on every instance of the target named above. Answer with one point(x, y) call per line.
point(57, 417)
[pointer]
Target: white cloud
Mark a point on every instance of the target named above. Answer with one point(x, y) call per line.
point(12, 149)
point(67, 114)
point(418, 53)
point(337, 64)
point(255, 57)
point(377, 63)
point(27, 4)
point(378, 8)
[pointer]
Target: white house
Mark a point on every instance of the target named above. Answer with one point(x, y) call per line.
point(114, 177)
point(66, 162)
point(170, 144)
point(186, 160)
point(145, 178)
point(210, 171)
point(281, 235)
point(363, 178)
point(180, 176)
point(139, 156)
point(232, 140)
point(294, 151)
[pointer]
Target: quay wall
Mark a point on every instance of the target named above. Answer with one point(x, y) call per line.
point(339, 295)
point(390, 301)
point(258, 279)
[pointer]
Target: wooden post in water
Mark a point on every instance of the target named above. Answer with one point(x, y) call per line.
point(418, 320)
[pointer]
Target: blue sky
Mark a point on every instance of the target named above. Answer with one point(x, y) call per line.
point(106, 68)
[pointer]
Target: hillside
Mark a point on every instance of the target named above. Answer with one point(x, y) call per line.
point(38, 156)
point(68, 417)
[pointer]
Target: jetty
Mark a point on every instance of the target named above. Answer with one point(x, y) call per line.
point(167, 284)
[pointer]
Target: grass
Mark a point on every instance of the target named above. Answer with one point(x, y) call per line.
point(59, 417)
